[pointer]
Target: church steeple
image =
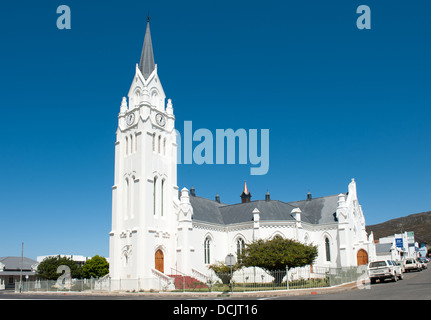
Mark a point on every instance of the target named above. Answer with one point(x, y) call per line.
point(246, 195)
point(147, 65)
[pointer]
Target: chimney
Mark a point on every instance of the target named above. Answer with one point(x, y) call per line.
point(192, 191)
point(296, 214)
point(267, 196)
point(308, 196)
point(217, 198)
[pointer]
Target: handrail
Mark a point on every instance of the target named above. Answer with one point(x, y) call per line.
point(159, 274)
point(199, 275)
point(177, 272)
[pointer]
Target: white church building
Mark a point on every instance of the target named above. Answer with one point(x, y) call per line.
point(158, 230)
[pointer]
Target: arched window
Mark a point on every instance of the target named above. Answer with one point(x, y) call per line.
point(137, 97)
point(132, 191)
point(207, 248)
point(126, 255)
point(240, 245)
point(154, 141)
point(160, 139)
point(127, 146)
point(127, 213)
point(327, 249)
point(154, 195)
point(164, 147)
point(131, 144)
point(154, 98)
point(161, 197)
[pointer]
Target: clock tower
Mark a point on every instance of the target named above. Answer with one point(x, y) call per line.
point(145, 191)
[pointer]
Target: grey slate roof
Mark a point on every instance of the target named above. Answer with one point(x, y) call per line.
point(14, 263)
point(318, 210)
point(147, 65)
point(206, 210)
point(272, 210)
point(315, 211)
point(383, 248)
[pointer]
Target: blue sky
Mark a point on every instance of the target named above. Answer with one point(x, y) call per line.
point(339, 102)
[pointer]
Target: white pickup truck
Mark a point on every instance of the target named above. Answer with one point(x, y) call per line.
point(384, 269)
point(411, 264)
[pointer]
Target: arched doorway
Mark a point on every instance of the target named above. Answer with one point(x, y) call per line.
point(362, 257)
point(159, 261)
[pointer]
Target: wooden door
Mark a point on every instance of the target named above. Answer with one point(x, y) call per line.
point(362, 257)
point(160, 261)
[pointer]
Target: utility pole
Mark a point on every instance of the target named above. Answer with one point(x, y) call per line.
point(22, 262)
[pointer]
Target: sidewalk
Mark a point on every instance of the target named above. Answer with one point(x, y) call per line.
point(263, 294)
point(205, 295)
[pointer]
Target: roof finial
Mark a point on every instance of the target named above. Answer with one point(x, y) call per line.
point(148, 16)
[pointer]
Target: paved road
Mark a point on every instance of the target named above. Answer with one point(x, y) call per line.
point(415, 286)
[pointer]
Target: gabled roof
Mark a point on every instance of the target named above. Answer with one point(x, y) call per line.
point(206, 210)
point(315, 211)
point(383, 248)
point(318, 210)
point(14, 263)
point(272, 210)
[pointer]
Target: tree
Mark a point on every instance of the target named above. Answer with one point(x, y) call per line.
point(223, 271)
point(278, 255)
point(95, 267)
point(47, 269)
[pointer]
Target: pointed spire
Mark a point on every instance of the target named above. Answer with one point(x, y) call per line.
point(245, 188)
point(147, 65)
point(245, 196)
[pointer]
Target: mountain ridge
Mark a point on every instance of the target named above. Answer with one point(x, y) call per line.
point(419, 223)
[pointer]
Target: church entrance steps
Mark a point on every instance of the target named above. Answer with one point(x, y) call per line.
point(187, 282)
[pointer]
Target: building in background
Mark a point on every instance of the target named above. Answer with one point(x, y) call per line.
point(423, 250)
point(399, 246)
point(12, 268)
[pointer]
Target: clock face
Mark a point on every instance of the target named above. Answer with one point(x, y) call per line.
point(130, 119)
point(160, 119)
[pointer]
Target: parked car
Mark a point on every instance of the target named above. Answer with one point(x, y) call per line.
point(411, 264)
point(424, 262)
point(399, 269)
point(401, 265)
point(420, 265)
point(384, 269)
